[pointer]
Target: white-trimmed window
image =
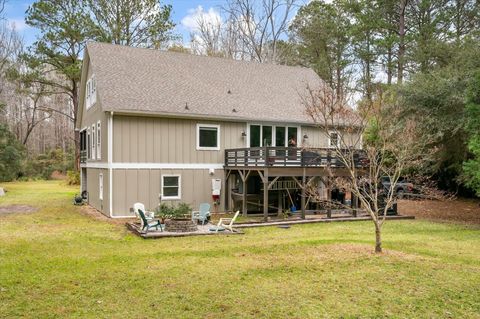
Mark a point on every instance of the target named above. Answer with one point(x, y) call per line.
point(93, 141)
point(91, 92)
point(89, 143)
point(333, 139)
point(100, 186)
point(208, 137)
point(99, 141)
point(94, 90)
point(260, 135)
point(171, 187)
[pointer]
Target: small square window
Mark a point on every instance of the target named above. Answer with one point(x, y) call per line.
point(334, 140)
point(208, 137)
point(171, 187)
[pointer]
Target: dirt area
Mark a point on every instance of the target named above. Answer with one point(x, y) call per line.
point(17, 209)
point(95, 214)
point(465, 211)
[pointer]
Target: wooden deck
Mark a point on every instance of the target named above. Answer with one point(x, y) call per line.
point(289, 157)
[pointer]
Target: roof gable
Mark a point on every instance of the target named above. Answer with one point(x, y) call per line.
point(136, 80)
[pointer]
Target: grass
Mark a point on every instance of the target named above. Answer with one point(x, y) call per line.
point(59, 263)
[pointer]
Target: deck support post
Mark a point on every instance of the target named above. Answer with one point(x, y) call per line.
point(244, 199)
point(304, 191)
point(353, 199)
point(244, 176)
point(265, 201)
point(227, 192)
point(266, 186)
point(280, 203)
point(329, 199)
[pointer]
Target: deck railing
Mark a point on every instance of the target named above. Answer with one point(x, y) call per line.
point(289, 157)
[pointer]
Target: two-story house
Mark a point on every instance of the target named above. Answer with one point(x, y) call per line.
point(164, 126)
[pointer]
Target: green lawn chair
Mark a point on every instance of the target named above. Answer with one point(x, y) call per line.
point(202, 214)
point(146, 225)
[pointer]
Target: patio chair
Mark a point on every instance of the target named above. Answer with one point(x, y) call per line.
point(203, 214)
point(146, 224)
point(226, 223)
point(137, 206)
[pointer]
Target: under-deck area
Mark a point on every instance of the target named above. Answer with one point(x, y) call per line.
point(272, 180)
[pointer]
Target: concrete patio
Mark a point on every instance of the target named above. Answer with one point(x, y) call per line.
point(202, 230)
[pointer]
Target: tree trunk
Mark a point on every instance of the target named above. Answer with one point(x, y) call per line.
point(76, 132)
point(401, 45)
point(389, 66)
point(368, 73)
point(378, 239)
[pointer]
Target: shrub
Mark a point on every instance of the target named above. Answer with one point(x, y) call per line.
point(73, 177)
point(11, 155)
point(43, 165)
point(172, 212)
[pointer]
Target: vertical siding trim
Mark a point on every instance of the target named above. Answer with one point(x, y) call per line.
point(109, 156)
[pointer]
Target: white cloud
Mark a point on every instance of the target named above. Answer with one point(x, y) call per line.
point(17, 24)
point(190, 21)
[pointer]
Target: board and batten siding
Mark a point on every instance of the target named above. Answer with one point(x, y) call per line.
point(317, 137)
point(92, 116)
point(144, 186)
point(93, 190)
point(169, 140)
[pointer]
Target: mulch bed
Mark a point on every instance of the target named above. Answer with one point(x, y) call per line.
point(17, 209)
point(460, 210)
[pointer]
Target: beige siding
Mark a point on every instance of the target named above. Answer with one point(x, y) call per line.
point(93, 187)
point(92, 116)
point(144, 185)
point(168, 140)
point(317, 137)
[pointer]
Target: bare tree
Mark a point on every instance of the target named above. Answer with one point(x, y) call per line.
point(392, 147)
point(11, 46)
point(33, 112)
point(260, 25)
point(38, 116)
point(2, 7)
point(207, 38)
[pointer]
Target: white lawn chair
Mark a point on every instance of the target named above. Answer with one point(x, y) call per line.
point(227, 223)
point(148, 215)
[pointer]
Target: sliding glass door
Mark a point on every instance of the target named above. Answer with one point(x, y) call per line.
point(273, 135)
point(255, 136)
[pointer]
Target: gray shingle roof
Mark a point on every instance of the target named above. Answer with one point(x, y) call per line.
point(138, 80)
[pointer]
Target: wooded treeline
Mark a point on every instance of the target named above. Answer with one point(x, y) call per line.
point(421, 55)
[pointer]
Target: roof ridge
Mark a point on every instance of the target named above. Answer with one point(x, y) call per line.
point(245, 62)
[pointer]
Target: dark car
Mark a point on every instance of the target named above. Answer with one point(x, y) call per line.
point(402, 186)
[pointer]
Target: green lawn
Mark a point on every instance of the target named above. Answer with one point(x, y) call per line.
point(58, 263)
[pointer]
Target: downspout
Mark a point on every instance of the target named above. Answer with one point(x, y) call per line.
point(109, 164)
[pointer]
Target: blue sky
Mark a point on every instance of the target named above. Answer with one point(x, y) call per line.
point(15, 12)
